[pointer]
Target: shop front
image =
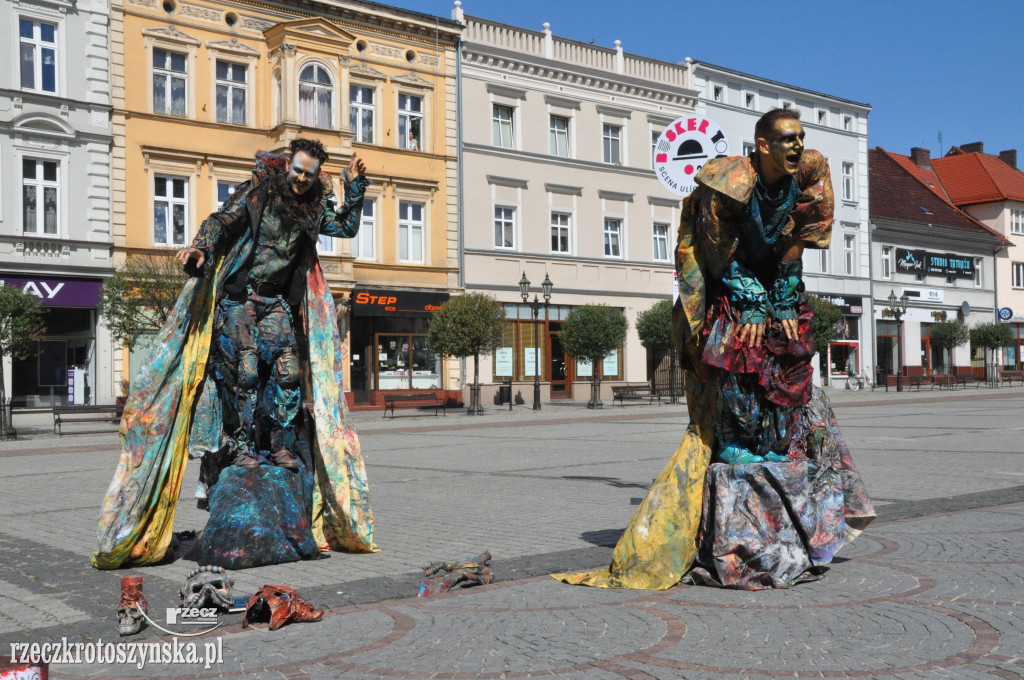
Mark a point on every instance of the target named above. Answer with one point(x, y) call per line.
point(389, 348)
point(61, 369)
point(844, 353)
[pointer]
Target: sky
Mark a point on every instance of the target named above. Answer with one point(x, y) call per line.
point(925, 66)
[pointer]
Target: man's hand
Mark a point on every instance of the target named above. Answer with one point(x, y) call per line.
point(752, 334)
point(792, 328)
point(355, 168)
point(189, 253)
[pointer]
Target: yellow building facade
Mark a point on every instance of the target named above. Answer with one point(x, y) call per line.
point(199, 87)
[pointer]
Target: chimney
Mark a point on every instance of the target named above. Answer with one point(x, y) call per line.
point(1009, 157)
point(922, 158)
point(973, 147)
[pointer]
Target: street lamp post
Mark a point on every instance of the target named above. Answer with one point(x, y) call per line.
point(898, 307)
point(524, 290)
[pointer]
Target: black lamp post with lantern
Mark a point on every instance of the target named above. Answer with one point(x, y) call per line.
point(898, 307)
point(524, 290)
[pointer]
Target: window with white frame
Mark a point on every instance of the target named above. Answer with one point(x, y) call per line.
point(558, 129)
point(847, 122)
point(361, 112)
point(559, 232)
point(979, 278)
point(410, 122)
point(316, 97)
point(224, 191)
point(611, 139)
point(848, 186)
point(410, 231)
point(849, 253)
point(750, 100)
point(232, 92)
point(886, 262)
point(718, 93)
point(822, 117)
point(38, 55)
point(1018, 274)
point(170, 210)
point(1017, 222)
point(40, 203)
point(504, 227)
point(501, 126)
point(612, 238)
point(325, 244)
point(364, 243)
point(824, 256)
point(660, 242)
point(170, 71)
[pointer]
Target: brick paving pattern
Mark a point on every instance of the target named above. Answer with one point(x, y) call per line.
point(932, 590)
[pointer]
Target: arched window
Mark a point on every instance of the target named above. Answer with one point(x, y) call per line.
point(316, 97)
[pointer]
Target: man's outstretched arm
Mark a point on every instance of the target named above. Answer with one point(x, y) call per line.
point(344, 221)
point(224, 223)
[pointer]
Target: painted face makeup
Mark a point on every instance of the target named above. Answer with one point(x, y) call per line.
point(787, 146)
point(302, 173)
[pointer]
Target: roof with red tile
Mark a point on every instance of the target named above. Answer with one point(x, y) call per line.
point(901, 190)
point(975, 177)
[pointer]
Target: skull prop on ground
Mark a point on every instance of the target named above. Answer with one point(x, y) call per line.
point(208, 587)
point(132, 607)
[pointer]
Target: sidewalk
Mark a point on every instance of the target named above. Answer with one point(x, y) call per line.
point(931, 590)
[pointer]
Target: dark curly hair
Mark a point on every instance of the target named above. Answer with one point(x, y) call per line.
point(312, 148)
point(766, 123)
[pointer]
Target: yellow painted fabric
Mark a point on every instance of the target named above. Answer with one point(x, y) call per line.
point(137, 518)
point(660, 543)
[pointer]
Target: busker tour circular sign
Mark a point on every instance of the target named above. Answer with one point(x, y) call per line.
point(683, 148)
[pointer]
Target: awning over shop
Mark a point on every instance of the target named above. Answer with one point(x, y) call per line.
point(390, 302)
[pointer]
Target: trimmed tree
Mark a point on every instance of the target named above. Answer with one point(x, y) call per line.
point(991, 336)
point(949, 334)
point(467, 325)
point(825, 329)
point(590, 333)
point(654, 326)
point(21, 322)
point(139, 297)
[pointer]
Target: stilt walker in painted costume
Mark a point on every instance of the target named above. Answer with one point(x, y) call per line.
point(762, 491)
point(252, 338)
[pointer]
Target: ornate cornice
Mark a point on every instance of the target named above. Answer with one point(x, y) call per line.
point(170, 33)
point(563, 74)
point(413, 80)
point(232, 45)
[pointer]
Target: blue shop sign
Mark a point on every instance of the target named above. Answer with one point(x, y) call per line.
point(1005, 314)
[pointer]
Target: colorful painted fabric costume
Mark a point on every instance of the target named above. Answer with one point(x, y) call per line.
point(228, 373)
point(760, 524)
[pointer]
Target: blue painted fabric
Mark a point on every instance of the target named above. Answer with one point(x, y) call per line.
point(258, 517)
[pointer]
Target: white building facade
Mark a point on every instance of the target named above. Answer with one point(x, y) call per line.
point(559, 182)
point(55, 201)
point(838, 128)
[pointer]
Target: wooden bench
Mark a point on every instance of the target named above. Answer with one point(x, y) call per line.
point(963, 380)
point(393, 401)
point(84, 413)
point(634, 391)
point(1009, 375)
point(918, 380)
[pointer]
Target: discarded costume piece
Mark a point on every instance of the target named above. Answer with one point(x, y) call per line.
point(278, 605)
point(208, 587)
point(177, 409)
point(783, 494)
point(474, 571)
point(133, 604)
